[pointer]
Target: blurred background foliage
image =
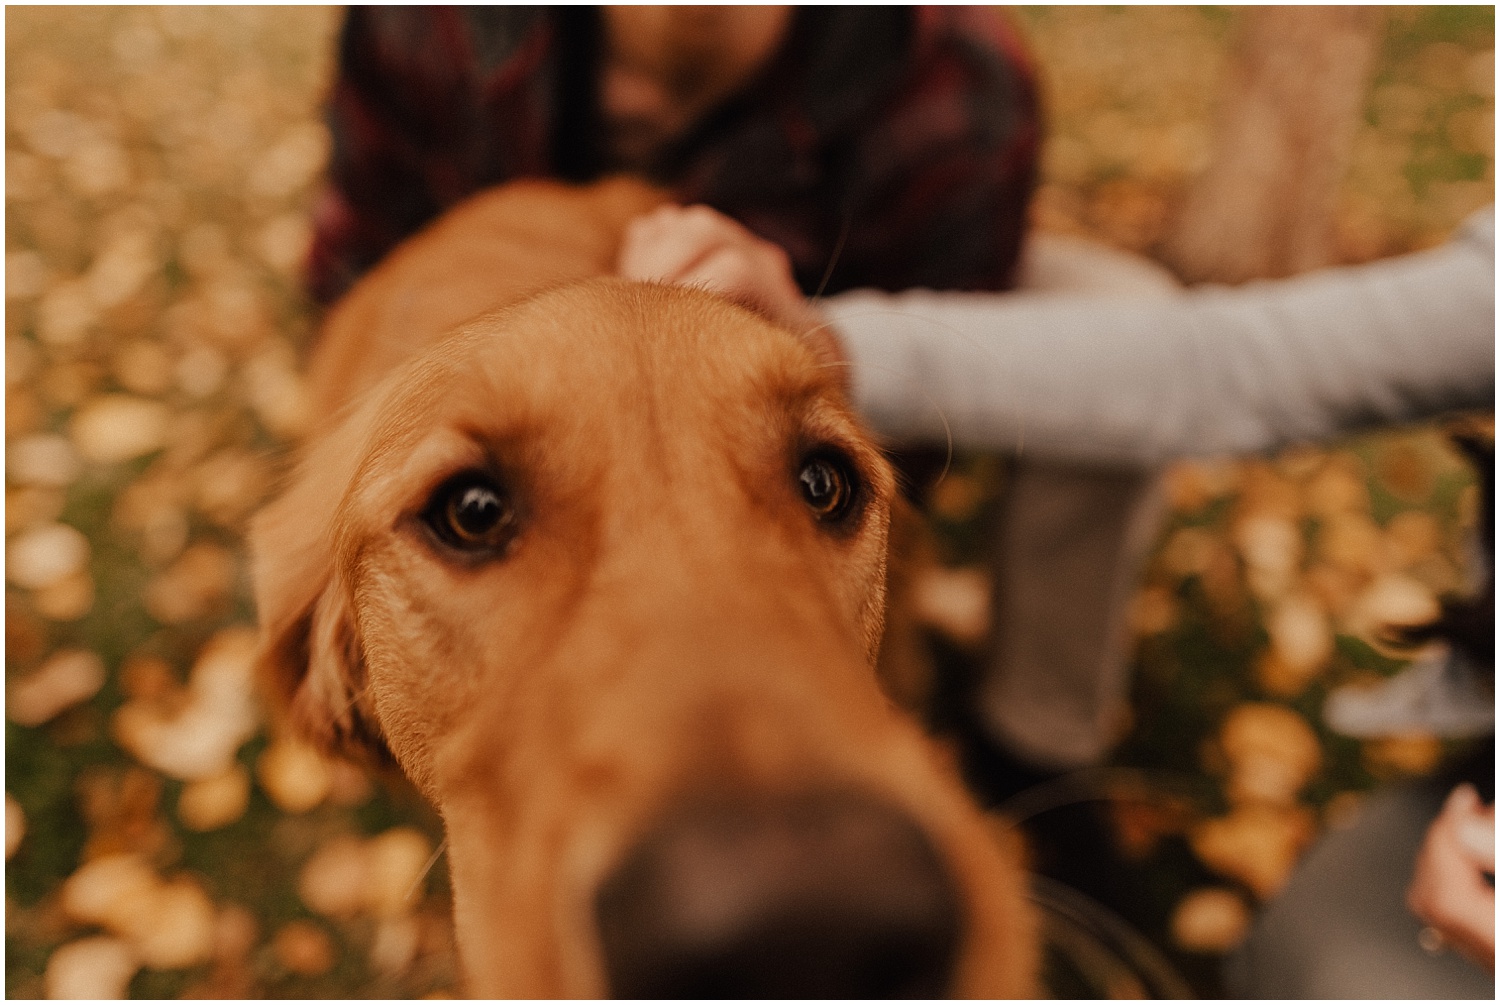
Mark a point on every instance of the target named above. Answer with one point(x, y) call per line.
point(159, 167)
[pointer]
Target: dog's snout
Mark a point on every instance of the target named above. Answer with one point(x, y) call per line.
point(824, 894)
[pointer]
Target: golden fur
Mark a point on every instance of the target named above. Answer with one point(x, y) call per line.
point(668, 617)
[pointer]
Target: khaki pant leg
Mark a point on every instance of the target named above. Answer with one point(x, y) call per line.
point(1067, 554)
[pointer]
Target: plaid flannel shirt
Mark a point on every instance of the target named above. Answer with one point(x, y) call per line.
point(885, 147)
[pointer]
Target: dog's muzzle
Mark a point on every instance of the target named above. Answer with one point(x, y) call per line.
point(822, 894)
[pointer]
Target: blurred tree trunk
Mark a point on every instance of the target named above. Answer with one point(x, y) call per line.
point(1295, 92)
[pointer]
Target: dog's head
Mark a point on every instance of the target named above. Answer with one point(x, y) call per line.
point(604, 573)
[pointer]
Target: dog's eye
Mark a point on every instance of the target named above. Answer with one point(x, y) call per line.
point(471, 512)
point(828, 486)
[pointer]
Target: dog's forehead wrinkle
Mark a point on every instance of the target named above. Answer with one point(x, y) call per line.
point(677, 336)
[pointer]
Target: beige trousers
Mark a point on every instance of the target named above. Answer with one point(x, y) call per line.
point(1067, 553)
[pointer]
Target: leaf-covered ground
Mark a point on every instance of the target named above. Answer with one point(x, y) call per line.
point(158, 168)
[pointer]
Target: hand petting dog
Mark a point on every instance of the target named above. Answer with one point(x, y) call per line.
point(698, 246)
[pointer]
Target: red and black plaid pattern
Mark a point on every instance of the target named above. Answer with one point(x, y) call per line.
point(882, 146)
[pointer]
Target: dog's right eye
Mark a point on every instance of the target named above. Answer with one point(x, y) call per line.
point(472, 513)
point(829, 486)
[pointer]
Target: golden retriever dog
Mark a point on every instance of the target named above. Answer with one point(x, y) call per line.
point(602, 567)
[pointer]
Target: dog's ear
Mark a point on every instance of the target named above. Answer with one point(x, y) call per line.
point(904, 664)
point(311, 664)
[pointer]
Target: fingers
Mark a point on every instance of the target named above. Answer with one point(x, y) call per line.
point(1473, 825)
point(666, 244)
point(696, 246)
point(728, 271)
point(1448, 888)
point(753, 275)
point(1477, 837)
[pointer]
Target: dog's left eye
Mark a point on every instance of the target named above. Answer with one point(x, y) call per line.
point(828, 486)
point(472, 513)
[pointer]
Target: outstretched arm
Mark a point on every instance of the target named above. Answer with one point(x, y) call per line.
point(1120, 380)
point(1215, 370)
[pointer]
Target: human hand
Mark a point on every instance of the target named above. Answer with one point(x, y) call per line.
point(1449, 890)
point(697, 246)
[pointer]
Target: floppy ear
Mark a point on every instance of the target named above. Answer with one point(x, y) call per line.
point(311, 663)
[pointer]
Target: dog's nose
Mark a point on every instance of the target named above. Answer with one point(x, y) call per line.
point(813, 895)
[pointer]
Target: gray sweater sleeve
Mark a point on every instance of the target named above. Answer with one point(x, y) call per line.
point(1112, 380)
